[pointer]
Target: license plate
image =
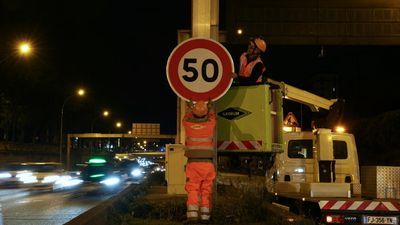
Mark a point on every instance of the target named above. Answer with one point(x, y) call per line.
point(380, 220)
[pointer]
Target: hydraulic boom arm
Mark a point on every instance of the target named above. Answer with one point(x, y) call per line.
point(313, 101)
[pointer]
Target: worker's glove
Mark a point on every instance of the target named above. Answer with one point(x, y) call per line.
point(234, 75)
point(190, 104)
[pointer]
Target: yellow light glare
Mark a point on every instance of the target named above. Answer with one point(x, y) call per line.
point(81, 92)
point(287, 129)
point(106, 113)
point(118, 124)
point(340, 129)
point(239, 31)
point(25, 48)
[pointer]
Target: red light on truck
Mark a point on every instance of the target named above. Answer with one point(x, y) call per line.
point(334, 219)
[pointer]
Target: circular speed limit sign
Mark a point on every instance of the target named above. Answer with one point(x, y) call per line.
point(200, 69)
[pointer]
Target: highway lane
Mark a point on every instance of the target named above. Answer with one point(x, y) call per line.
point(20, 206)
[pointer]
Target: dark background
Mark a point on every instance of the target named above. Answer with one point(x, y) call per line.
point(116, 50)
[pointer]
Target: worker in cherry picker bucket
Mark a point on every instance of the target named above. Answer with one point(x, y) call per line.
point(251, 68)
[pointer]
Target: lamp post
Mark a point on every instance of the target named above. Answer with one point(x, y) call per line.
point(118, 125)
point(80, 92)
point(104, 114)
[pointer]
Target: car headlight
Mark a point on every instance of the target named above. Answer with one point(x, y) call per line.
point(28, 179)
point(111, 181)
point(72, 182)
point(5, 175)
point(67, 181)
point(50, 179)
point(136, 172)
point(63, 179)
point(24, 174)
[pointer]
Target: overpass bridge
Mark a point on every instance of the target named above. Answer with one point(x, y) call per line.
point(80, 146)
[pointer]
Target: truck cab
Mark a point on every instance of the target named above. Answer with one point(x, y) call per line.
point(319, 156)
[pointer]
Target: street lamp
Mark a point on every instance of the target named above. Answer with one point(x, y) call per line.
point(24, 48)
point(20, 49)
point(80, 92)
point(104, 114)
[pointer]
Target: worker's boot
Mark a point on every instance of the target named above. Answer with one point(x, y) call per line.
point(205, 221)
point(205, 214)
point(192, 215)
point(191, 221)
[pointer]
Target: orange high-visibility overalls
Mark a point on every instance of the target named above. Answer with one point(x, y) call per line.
point(200, 170)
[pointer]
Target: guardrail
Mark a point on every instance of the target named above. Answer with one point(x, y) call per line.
point(99, 214)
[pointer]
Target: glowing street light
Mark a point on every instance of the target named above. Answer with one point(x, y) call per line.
point(25, 48)
point(104, 114)
point(80, 92)
point(118, 124)
point(19, 49)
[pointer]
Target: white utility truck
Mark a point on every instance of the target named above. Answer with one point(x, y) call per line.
point(314, 173)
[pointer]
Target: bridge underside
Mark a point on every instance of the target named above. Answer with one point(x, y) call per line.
point(316, 22)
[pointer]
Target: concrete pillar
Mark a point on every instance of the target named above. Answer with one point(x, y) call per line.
point(205, 23)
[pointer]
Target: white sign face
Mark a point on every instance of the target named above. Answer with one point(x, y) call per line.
point(200, 69)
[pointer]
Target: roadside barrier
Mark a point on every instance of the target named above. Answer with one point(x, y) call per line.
point(99, 214)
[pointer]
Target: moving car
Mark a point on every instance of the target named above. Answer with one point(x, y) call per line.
point(101, 176)
point(132, 170)
point(47, 176)
point(36, 176)
point(12, 173)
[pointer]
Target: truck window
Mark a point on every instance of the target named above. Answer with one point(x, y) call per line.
point(339, 150)
point(300, 149)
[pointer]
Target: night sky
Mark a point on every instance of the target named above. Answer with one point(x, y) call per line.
point(118, 51)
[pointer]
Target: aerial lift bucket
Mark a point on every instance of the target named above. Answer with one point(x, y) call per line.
point(250, 119)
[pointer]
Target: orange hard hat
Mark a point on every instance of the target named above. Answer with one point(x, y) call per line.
point(260, 43)
point(200, 108)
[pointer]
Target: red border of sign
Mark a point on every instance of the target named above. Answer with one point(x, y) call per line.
point(211, 45)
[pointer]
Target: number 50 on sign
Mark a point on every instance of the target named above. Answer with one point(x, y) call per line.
point(200, 69)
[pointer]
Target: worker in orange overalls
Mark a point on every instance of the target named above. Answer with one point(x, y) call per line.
point(252, 69)
point(199, 123)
